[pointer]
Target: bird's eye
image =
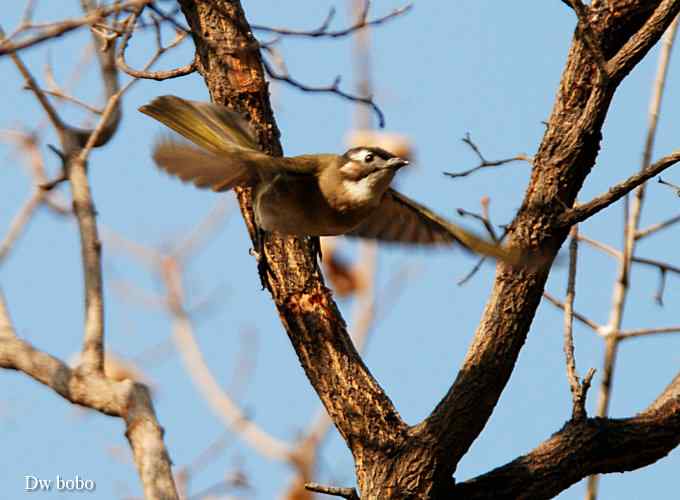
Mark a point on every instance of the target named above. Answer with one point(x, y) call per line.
point(368, 158)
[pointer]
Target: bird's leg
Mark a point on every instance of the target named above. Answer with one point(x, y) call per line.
point(261, 257)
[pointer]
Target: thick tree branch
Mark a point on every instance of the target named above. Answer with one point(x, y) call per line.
point(639, 44)
point(566, 155)
point(126, 399)
point(582, 448)
point(358, 406)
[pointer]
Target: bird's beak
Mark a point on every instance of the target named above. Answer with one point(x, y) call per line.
point(396, 163)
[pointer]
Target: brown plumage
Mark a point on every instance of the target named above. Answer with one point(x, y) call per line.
point(308, 195)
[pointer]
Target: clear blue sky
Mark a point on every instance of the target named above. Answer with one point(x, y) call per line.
point(485, 67)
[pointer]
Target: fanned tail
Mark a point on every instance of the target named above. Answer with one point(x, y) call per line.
point(212, 127)
point(222, 152)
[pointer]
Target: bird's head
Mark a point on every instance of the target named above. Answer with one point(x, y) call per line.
point(364, 173)
point(364, 161)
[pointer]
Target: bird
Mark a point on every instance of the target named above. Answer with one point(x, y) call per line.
point(307, 195)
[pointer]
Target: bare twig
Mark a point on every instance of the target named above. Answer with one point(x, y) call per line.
point(187, 69)
point(674, 187)
point(643, 332)
point(643, 233)
point(581, 212)
point(54, 90)
point(664, 266)
point(53, 30)
point(484, 219)
point(632, 221)
point(579, 389)
point(336, 491)
point(323, 31)
point(483, 162)
point(599, 329)
point(19, 222)
point(333, 88)
point(194, 240)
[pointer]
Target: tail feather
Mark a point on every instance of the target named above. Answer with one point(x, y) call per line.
point(222, 152)
point(203, 168)
point(209, 126)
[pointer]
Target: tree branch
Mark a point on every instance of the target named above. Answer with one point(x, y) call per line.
point(349, 493)
point(579, 213)
point(354, 400)
point(47, 32)
point(333, 88)
point(579, 388)
point(567, 153)
point(126, 399)
point(582, 448)
point(187, 69)
point(483, 162)
point(323, 31)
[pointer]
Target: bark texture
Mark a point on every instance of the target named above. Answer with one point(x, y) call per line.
point(392, 459)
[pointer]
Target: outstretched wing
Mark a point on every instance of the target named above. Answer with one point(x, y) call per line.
point(399, 219)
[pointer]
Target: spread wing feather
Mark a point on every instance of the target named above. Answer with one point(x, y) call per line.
point(399, 219)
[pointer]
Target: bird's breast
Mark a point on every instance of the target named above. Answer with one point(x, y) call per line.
point(295, 205)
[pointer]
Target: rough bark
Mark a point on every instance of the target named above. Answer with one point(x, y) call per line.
point(228, 59)
point(393, 460)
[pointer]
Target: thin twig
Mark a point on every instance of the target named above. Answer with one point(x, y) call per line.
point(619, 255)
point(336, 491)
point(579, 389)
point(19, 222)
point(54, 90)
point(333, 88)
point(204, 380)
point(632, 222)
point(481, 218)
point(572, 377)
point(674, 187)
point(580, 317)
point(483, 162)
point(581, 212)
point(187, 69)
point(60, 28)
point(643, 332)
point(643, 233)
point(323, 31)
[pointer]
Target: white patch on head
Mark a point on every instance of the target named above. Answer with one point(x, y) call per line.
point(360, 155)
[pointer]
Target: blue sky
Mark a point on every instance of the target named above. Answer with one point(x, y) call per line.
point(445, 69)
